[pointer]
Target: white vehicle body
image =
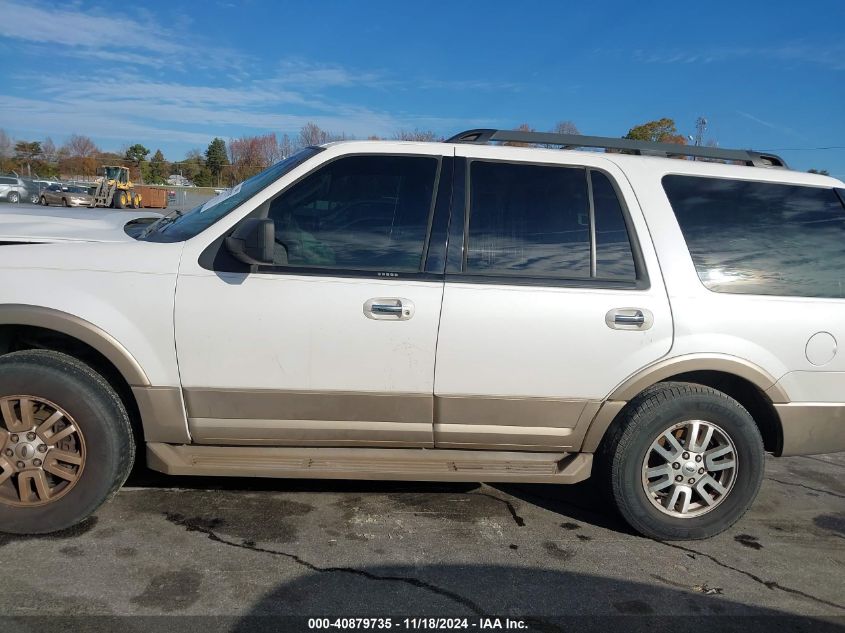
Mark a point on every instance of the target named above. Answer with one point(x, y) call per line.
point(271, 371)
point(209, 333)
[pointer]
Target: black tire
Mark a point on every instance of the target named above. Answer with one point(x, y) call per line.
point(43, 201)
point(34, 198)
point(100, 416)
point(118, 200)
point(655, 410)
point(64, 202)
point(13, 197)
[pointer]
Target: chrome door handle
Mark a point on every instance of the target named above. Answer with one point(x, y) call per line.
point(388, 309)
point(629, 319)
point(380, 308)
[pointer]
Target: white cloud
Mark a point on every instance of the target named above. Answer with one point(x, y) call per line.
point(110, 36)
point(148, 118)
point(193, 106)
point(770, 125)
point(831, 56)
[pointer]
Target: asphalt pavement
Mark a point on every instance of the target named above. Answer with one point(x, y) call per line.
point(235, 553)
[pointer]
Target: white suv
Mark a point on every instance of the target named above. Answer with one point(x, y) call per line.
point(458, 311)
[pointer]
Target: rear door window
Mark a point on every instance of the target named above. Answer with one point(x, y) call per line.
point(528, 220)
point(546, 221)
point(749, 237)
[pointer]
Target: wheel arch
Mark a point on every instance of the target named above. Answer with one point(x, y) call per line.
point(102, 342)
point(750, 385)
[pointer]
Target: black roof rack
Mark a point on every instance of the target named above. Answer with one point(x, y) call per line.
point(643, 148)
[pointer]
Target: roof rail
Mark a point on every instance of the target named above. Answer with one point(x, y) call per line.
point(642, 148)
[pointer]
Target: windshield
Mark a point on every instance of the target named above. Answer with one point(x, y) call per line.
point(75, 190)
point(178, 226)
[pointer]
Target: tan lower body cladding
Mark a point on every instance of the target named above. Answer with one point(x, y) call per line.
point(407, 464)
point(301, 418)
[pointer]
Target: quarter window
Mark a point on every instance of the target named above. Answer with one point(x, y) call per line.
point(357, 213)
point(614, 258)
point(762, 238)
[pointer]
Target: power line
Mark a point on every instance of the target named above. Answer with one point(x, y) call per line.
point(805, 149)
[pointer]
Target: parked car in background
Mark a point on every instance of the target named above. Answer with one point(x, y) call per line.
point(66, 196)
point(35, 187)
point(14, 189)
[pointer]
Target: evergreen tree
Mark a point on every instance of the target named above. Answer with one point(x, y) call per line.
point(216, 159)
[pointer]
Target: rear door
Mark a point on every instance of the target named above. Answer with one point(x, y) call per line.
point(553, 297)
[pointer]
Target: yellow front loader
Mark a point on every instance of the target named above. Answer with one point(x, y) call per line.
point(115, 190)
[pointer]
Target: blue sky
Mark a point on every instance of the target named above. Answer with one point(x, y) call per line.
point(171, 75)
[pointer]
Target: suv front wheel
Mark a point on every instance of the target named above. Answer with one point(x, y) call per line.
point(66, 443)
point(684, 462)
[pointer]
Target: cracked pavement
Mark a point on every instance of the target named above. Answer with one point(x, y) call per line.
point(242, 547)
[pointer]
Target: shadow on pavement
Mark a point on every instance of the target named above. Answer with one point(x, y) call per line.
point(546, 600)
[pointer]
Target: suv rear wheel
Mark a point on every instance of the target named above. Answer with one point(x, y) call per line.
point(684, 462)
point(66, 443)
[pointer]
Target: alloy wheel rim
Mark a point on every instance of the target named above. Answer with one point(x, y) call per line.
point(689, 469)
point(42, 451)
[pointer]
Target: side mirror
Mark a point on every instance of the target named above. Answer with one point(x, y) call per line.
point(253, 241)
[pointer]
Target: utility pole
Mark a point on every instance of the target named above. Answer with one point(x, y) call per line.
point(700, 128)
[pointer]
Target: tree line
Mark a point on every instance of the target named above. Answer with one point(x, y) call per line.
point(226, 163)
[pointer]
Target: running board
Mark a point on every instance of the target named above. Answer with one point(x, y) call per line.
point(407, 464)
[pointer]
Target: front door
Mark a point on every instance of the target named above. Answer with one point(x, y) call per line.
point(334, 344)
point(553, 297)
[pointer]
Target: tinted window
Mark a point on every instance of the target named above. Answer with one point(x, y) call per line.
point(176, 227)
point(614, 258)
point(528, 220)
point(7, 181)
point(762, 238)
point(361, 212)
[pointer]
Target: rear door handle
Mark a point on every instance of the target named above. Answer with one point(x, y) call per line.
point(388, 309)
point(629, 319)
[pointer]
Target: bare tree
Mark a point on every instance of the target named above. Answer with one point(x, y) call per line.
point(415, 135)
point(312, 134)
point(285, 146)
point(521, 128)
point(79, 146)
point(566, 127)
point(48, 150)
point(5, 145)
point(563, 127)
